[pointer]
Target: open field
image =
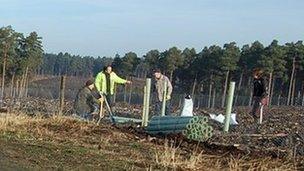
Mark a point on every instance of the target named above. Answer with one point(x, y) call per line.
point(65, 143)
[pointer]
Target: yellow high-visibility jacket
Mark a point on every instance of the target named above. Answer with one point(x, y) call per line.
point(101, 83)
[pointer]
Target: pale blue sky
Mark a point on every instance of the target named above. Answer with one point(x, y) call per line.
point(104, 27)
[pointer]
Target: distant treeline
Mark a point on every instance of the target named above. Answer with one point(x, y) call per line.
point(206, 71)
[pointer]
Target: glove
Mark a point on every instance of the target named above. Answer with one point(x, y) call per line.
point(168, 97)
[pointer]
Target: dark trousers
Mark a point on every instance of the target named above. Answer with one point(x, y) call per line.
point(89, 116)
point(256, 106)
point(109, 99)
point(158, 107)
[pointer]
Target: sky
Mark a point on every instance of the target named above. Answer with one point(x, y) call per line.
point(107, 27)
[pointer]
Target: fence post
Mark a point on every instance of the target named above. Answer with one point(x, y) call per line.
point(229, 106)
point(61, 94)
point(163, 111)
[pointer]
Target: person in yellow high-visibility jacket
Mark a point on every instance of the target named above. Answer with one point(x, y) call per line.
point(105, 81)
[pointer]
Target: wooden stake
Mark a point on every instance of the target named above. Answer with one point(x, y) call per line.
point(269, 87)
point(101, 111)
point(61, 95)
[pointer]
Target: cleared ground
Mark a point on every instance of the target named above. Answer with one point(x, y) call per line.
point(67, 144)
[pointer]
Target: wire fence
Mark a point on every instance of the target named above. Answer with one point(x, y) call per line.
point(136, 98)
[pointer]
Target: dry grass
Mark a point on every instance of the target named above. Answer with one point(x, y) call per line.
point(126, 147)
point(175, 158)
point(172, 157)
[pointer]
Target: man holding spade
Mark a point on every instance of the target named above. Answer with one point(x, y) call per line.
point(105, 82)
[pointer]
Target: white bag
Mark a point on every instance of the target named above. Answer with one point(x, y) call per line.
point(187, 107)
point(221, 118)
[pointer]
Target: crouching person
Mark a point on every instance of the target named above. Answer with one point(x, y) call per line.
point(87, 101)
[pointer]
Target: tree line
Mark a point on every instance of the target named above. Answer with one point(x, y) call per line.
point(20, 55)
point(207, 71)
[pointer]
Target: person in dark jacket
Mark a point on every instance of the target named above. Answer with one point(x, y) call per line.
point(87, 101)
point(259, 92)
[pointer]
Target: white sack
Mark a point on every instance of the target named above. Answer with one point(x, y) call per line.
point(187, 107)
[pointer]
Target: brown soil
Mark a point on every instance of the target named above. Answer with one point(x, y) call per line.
point(277, 143)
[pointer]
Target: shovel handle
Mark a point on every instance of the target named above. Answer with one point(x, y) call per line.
point(100, 110)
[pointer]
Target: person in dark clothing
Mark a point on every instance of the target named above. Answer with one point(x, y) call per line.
point(87, 101)
point(259, 92)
